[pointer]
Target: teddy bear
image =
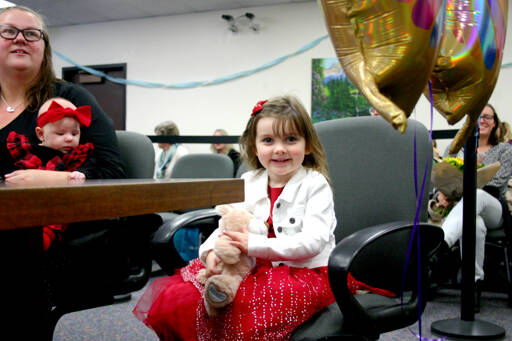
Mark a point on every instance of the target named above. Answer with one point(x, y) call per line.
point(220, 289)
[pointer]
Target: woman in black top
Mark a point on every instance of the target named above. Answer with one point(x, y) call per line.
point(93, 256)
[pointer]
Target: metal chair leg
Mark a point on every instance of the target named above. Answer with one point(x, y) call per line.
point(508, 265)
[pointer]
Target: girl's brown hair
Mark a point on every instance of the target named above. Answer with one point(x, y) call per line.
point(41, 88)
point(291, 116)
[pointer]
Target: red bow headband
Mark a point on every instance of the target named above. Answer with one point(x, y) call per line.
point(56, 112)
point(258, 107)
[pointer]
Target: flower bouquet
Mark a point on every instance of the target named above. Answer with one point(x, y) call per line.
point(447, 177)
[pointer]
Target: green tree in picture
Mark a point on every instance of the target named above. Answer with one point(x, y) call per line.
point(333, 95)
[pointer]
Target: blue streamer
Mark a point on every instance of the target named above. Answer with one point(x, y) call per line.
point(193, 84)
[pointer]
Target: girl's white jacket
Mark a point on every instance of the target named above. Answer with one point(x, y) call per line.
point(303, 219)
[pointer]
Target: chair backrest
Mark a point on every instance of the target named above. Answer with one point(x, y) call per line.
point(244, 167)
point(203, 165)
point(137, 154)
point(371, 166)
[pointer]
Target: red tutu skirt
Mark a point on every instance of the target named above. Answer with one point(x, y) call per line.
point(270, 303)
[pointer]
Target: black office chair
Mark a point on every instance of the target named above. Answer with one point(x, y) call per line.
point(97, 261)
point(191, 166)
point(372, 172)
point(498, 256)
point(244, 167)
point(497, 260)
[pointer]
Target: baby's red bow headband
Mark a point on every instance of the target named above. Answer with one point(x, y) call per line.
point(56, 112)
point(258, 107)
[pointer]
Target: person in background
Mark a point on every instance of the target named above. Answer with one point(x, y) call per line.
point(226, 149)
point(505, 135)
point(436, 154)
point(489, 209)
point(504, 132)
point(170, 152)
point(291, 237)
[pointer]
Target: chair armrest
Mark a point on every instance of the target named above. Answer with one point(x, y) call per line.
point(176, 222)
point(164, 251)
point(376, 256)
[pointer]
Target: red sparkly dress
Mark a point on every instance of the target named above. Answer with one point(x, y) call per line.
point(270, 303)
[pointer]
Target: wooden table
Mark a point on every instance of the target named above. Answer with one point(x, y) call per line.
point(100, 199)
point(23, 210)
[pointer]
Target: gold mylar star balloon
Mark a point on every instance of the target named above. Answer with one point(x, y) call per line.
point(469, 62)
point(387, 49)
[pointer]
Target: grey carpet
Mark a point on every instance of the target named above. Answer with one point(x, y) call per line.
point(116, 322)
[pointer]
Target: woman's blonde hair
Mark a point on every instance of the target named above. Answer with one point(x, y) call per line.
point(505, 133)
point(42, 88)
point(227, 147)
point(291, 116)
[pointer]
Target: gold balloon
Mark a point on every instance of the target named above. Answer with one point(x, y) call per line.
point(469, 62)
point(387, 49)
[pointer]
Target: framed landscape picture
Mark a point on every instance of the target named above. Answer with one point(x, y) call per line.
point(333, 95)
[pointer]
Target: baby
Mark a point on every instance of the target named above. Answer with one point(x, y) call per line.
point(58, 130)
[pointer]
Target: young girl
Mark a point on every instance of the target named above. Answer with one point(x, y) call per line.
point(291, 238)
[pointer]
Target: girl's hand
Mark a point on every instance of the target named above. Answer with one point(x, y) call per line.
point(212, 262)
point(27, 177)
point(239, 239)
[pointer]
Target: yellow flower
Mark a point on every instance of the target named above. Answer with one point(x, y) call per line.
point(458, 162)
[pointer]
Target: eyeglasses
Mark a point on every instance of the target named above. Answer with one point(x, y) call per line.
point(487, 117)
point(11, 32)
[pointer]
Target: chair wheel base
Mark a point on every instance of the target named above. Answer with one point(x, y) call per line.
point(467, 330)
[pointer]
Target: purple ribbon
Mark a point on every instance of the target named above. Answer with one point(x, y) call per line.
point(424, 338)
point(415, 232)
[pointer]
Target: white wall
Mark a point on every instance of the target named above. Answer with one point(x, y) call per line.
point(199, 47)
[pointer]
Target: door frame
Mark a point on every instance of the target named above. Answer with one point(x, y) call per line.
point(69, 72)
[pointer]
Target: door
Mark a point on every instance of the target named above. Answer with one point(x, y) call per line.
point(111, 96)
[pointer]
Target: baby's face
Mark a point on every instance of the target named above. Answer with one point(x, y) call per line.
point(63, 135)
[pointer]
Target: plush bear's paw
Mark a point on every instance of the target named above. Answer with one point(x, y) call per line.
point(220, 290)
point(214, 294)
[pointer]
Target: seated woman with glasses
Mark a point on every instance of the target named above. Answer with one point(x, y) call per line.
point(27, 80)
point(488, 205)
point(86, 260)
